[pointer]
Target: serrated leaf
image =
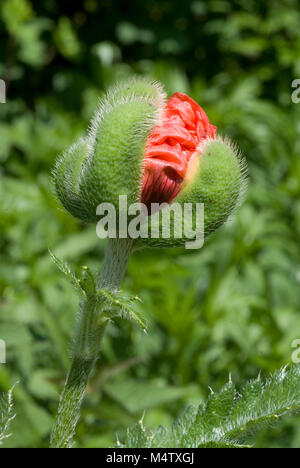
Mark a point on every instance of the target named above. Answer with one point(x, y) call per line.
point(223, 445)
point(64, 267)
point(119, 305)
point(137, 435)
point(219, 404)
point(227, 420)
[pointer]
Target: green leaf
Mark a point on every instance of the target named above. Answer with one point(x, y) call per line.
point(137, 395)
point(121, 306)
point(223, 445)
point(64, 267)
point(88, 281)
point(137, 436)
point(228, 418)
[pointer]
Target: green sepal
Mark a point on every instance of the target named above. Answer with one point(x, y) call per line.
point(108, 162)
point(67, 175)
point(114, 167)
point(218, 183)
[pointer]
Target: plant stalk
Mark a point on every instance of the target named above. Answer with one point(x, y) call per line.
point(86, 349)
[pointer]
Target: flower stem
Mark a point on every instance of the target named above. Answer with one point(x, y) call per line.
point(87, 343)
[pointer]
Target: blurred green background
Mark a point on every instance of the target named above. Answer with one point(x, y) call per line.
point(232, 307)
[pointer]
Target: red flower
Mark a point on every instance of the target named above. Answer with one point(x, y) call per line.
point(170, 148)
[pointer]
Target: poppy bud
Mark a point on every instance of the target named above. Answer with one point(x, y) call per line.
point(108, 162)
point(153, 152)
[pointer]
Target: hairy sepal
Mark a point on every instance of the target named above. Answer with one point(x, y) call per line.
point(218, 182)
point(67, 175)
point(109, 161)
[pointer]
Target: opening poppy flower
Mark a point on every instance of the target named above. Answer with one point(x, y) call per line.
point(171, 146)
point(182, 158)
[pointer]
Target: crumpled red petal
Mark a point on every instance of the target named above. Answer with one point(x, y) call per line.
point(170, 147)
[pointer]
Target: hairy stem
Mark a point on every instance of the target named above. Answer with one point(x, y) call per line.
point(115, 263)
point(86, 349)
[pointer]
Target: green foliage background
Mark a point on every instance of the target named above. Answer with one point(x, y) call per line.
point(232, 307)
